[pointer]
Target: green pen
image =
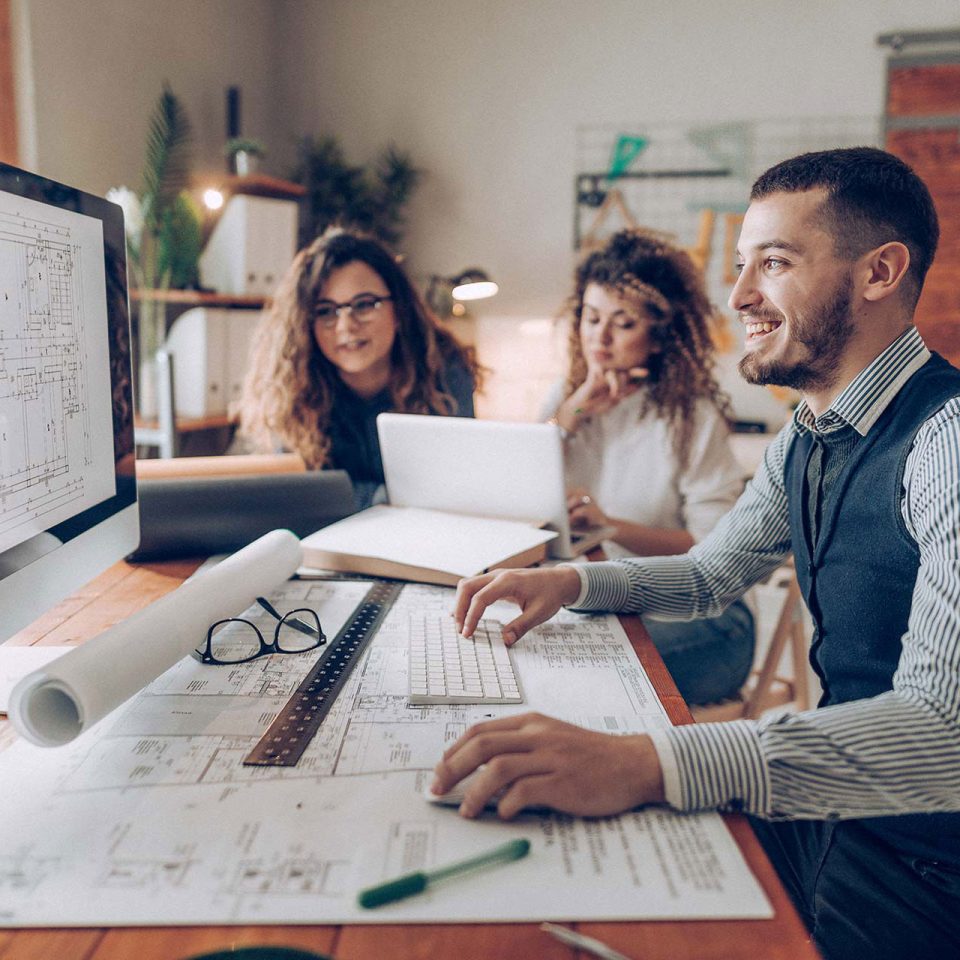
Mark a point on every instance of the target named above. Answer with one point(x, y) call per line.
point(412, 883)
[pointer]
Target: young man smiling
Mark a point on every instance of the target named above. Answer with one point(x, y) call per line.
point(857, 801)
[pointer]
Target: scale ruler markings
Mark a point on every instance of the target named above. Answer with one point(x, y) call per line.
point(300, 718)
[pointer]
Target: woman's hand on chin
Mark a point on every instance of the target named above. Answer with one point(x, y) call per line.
point(601, 390)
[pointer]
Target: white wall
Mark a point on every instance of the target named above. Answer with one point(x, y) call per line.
point(99, 66)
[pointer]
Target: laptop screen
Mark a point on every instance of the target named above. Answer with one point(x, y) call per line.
point(478, 467)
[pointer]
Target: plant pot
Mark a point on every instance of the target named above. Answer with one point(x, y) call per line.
point(245, 163)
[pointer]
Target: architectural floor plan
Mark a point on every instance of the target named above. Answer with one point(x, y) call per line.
point(44, 384)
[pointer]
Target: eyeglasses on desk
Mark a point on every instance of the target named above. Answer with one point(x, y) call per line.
point(238, 640)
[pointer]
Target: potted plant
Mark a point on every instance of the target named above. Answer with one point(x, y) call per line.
point(163, 233)
point(339, 193)
point(244, 154)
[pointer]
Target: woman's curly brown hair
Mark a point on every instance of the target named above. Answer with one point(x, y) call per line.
point(665, 281)
point(289, 389)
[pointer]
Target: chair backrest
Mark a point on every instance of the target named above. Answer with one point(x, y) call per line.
point(163, 434)
point(765, 688)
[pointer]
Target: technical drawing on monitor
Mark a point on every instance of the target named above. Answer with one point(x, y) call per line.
point(67, 492)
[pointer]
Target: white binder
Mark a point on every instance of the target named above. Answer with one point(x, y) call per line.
point(210, 349)
point(251, 247)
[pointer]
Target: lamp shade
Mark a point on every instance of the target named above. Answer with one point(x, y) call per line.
point(473, 284)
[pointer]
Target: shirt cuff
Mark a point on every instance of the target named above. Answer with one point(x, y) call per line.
point(603, 586)
point(668, 766)
point(709, 765)
point(584, 585)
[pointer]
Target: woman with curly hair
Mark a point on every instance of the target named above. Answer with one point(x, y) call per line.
point(346, 338)
point(647, 434)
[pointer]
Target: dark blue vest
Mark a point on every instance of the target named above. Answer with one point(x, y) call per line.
point(858, 578)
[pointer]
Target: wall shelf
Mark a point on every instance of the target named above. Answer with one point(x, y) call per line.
point(261, 185)
point(198, 298)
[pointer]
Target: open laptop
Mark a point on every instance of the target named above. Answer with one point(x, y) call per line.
point(199, 516)
point(482, 467)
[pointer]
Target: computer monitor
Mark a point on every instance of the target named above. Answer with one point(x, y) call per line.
point(68, 504)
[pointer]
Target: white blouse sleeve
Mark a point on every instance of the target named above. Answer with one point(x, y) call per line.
point(551, 402)
point(712, 479)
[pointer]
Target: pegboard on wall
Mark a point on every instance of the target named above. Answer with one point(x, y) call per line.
point(692, 182)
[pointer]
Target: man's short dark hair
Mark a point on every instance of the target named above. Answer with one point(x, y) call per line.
point(873, 197)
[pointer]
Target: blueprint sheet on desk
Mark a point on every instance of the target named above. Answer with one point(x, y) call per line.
point(150, 817)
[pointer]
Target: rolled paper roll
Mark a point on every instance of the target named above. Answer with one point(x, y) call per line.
point(55, 704)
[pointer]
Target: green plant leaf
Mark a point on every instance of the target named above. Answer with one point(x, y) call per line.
point(397, 179)
point(339, 193)
point(180, 241)
point(166, 170)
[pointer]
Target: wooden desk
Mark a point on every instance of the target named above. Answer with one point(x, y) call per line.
point(125, 588)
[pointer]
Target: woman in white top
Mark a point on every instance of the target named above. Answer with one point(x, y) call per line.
point(647, 435)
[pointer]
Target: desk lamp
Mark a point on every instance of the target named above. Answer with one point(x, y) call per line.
point(445, 295)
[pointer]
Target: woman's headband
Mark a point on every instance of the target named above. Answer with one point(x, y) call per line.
point(651, 294)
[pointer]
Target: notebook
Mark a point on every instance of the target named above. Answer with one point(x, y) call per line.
point(426, 546)
point(198, 516)
point(484, 468)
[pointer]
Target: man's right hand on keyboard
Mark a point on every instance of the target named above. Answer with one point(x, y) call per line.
point(538, 593)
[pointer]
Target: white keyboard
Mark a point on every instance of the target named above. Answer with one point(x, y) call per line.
point(448, 668)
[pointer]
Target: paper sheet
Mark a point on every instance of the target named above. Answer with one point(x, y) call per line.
point(16, 662)
point(150, 818)
point(53, 705)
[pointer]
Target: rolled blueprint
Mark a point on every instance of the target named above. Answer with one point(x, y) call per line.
point(53, 705)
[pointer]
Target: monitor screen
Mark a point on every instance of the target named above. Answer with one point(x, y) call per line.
point(67, 484)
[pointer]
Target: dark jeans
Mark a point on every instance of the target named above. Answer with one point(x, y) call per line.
point(708, 659)
point(860, 898)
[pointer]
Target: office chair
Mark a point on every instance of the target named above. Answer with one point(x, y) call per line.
point(163, 436)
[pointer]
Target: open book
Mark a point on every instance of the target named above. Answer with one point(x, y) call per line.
point(428, 546)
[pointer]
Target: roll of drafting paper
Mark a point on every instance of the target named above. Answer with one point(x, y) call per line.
point(53, 705)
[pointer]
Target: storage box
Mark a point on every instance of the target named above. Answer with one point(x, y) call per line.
point(210, 348)
point(251, 247)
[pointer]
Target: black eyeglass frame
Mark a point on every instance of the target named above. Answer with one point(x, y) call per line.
point(377, 300)
point(290, 619)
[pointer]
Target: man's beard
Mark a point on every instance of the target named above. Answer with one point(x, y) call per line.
point(825, 333)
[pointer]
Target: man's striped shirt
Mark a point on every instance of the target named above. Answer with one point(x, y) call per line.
point(898, 752)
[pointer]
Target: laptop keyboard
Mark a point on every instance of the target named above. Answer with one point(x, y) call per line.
point(447, 668)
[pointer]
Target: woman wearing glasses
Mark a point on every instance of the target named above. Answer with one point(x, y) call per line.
point(346, 338)
point(646, 427)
